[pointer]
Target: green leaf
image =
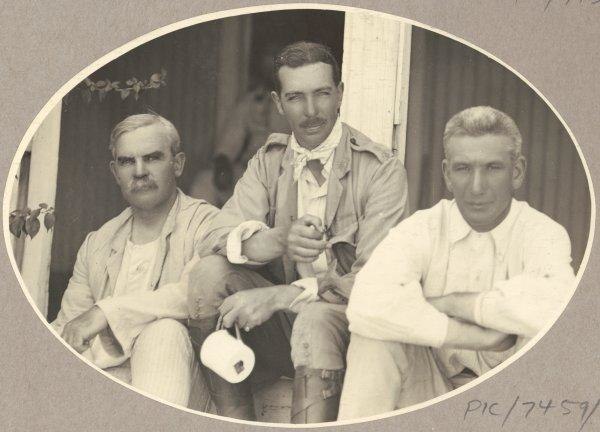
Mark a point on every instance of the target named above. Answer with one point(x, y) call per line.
point(49, 220)
point(36, 212)
point(33, 226)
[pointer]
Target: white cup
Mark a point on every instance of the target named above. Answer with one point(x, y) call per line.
point(227, 356)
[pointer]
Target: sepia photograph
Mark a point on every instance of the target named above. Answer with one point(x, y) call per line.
point(300, 216)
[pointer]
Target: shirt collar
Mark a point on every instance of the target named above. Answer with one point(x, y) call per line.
point(502, 232)
point(327, 146)
point(124, 231)
point(459, 228)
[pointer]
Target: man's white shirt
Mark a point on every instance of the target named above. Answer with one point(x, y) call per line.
point(521, 269)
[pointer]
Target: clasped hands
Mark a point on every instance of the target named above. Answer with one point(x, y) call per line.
point(250, 308)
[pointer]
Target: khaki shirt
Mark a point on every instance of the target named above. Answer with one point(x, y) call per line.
point(366, 196)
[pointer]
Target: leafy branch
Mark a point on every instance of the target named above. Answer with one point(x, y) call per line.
point(133, 85)
point(27, 221)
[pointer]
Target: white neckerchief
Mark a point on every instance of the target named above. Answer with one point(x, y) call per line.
point(322, 152)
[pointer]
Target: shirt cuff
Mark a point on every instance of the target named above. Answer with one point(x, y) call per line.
point(242, 232)
point(309, 294)
point(123, 335)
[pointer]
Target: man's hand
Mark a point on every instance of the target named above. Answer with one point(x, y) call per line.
point(305, 239)
point(251, 308)
point(79, 331)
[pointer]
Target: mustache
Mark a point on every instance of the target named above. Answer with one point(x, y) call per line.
point(144, 184)
point(313, 122)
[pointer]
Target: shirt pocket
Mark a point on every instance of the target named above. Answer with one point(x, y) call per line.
point(344, 229)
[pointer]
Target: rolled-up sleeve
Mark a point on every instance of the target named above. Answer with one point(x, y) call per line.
point(387, 301)
point(524, 304)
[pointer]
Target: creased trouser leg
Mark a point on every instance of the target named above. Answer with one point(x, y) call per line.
point(383, 376)
point(162, 361)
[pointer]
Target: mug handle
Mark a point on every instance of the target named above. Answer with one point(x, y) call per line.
point(220, 326)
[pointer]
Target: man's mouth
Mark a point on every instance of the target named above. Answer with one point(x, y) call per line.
point(478, 205)
point(312, 125)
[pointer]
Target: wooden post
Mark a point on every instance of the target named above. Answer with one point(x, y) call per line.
point(35, 268)
point(375, 74)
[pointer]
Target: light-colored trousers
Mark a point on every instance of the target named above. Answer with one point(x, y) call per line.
point(383, 376)
point(163, 364)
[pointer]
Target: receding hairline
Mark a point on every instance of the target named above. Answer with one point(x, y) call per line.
point(480, 121)
point(140, 121)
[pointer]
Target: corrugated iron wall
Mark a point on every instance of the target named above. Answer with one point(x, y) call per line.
point(87, 195)
point(446, 77)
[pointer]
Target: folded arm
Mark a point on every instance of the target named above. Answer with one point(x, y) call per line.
point(523, 304)
point(127, 315)
point(387, 301)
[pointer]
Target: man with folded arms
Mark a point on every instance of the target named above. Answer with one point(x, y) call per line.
point(309, 209)
point(455, 290)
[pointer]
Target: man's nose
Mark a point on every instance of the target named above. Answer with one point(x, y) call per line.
point(478, 181)
point(310, 109)
point(140, 168)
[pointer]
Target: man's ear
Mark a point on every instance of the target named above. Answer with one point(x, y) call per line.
point(340, 88)
point(178, 163)
point(111, 165)
point(519, 169)
point(445, 171)
point(277, 100)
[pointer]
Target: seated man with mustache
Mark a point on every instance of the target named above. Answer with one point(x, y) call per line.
point(302, 220)
point(131, 257)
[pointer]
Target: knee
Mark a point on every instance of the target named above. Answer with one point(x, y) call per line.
point(207, 285)
point(164, 333)
point(369, 350)
point(321, 319)
point(319, 337)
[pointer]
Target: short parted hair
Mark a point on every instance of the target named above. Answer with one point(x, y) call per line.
point(304, 53)
point(483, 120)
point(137, 121)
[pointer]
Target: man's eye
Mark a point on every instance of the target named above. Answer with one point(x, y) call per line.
point(293, 97)
point(461, 168)
point(125, 162)
point(495, 167)
point(324, 93)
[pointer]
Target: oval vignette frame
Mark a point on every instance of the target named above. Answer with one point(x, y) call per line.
point(118, 52)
